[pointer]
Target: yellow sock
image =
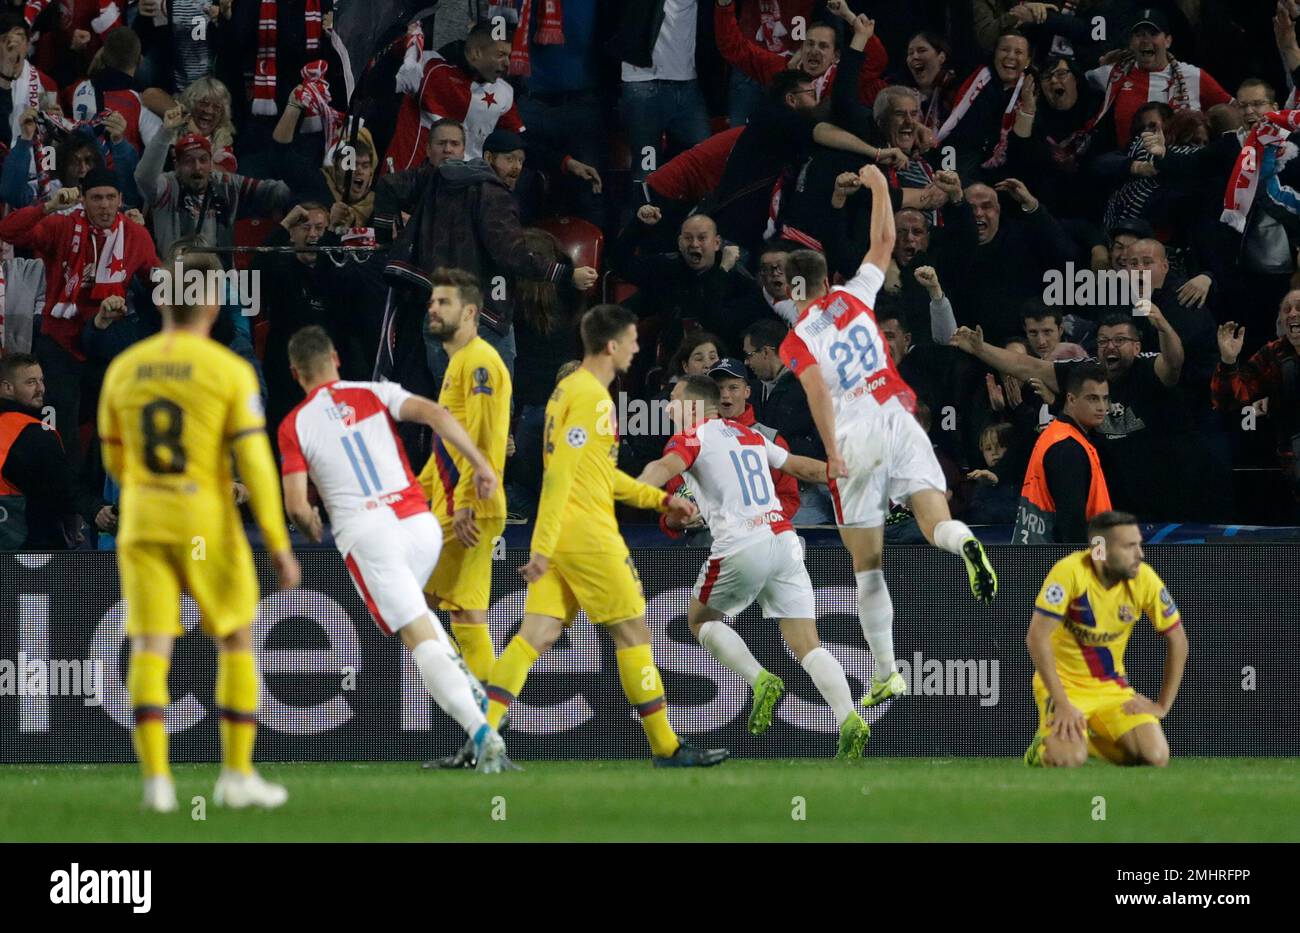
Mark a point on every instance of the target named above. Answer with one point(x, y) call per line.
point(645, 691)
point(475, 647)
point(146, 683)
point(508, 676)
point(236, 695)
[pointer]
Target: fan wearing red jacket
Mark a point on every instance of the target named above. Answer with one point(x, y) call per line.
point(733, 387)
point(90, 255)
point(817, 57)
point(470, 88)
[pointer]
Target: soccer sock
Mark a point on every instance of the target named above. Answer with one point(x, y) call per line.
point(645, 691)
point(951, 535)
point(236, 696)
point(475, 647)
point(146, 683)
point(723, 642)
point(828, 677)
point(508, 676)
point(876, 611)
point(447, 685)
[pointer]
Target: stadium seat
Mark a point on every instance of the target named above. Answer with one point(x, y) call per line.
point(251, 231)
point(580, 240)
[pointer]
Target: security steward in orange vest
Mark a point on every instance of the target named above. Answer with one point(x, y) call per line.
point(1064, 484)
point(37, 484)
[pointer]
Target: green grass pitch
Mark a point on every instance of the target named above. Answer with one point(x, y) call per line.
point(919, 800)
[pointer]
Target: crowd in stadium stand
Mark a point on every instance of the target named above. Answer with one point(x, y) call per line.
point(668, 155)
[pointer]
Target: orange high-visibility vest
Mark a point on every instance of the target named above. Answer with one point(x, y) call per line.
point(1036, 517)
point(13, 504)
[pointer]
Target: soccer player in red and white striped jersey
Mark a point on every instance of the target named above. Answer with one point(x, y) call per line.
point(755, 555)
point(343, 435)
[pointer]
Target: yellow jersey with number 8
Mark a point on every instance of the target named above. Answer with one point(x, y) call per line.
point(174, 405)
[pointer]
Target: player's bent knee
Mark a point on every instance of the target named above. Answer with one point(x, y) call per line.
point(1058, 754)
point(1156, 754)
point(541, 631)
point(801, 636)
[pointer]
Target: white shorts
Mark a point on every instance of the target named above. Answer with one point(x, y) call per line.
point(771, 571)
point(889, 457)
point(390, 561)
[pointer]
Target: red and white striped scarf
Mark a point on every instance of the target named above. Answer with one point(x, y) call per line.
point(264, 72)
point(550, 32)
point(1074, 144)
point(1273, 129)
point(966, 97)
point(412, 68)
point(314, 96)
point(78, 254)
point(771, 31)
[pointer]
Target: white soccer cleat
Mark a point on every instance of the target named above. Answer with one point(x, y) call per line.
point(237, 790)
point(490, 753)
point(160, 794)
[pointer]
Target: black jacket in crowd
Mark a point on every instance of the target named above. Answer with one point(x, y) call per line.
point(786, 410)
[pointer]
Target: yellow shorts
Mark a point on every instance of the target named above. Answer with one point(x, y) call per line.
point(604, 583)
point(1102, 704)
point(463, 577)
point(223, 584)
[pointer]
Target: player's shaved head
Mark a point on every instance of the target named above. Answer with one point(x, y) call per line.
point(310, 349)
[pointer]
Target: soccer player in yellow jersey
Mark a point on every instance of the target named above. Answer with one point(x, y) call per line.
point(579, 559)
point(173, 410)
point(1082, 620)
point(476, 390)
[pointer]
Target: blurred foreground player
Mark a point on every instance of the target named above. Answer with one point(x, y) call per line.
point(476, 391)
point(579, 560)
point(755, 553)
point(1082, 620)
point(344, 435)
point(173, 410)
point(876, 451)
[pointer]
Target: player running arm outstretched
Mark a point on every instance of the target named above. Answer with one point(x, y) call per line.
point(875, 449)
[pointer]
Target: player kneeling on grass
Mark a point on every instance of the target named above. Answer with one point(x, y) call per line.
point(755, 555)
point(1082, 620)
point(343, 434)
point(173, 410)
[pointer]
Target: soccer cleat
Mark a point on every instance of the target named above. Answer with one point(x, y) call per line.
point(464, 756)
point(854, 733)
point(489, 751)
point(881, 690)
point(236, 789)
point(768, 690)
point(983, 581)
point(1034, 753)
point(461, 758)
point(159, 794)
point(689, 756)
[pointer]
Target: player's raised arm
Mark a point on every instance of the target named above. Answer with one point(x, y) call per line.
point(882, 218)
point(1070, 723)
point(428, 412)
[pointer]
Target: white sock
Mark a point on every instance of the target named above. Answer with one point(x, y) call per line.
point(730, 649)
point(950, 535)
point(828, 677)
point(876, 612)
point(446, 683)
